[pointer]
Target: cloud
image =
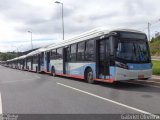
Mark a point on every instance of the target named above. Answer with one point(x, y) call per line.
point(43, 17)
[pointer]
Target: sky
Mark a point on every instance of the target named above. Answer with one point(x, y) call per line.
point(43, 18)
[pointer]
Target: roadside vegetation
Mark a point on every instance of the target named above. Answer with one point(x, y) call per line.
point(156, 67)
point(7, 56)
point(10, 55)
point(155, 46)
point(155, 51)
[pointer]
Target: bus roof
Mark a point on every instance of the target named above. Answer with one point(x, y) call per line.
point(128, 30)
point(82, 37)
point(88, 35)
point(21, 57)
point(36, 52)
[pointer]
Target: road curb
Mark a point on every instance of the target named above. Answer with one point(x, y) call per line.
point(155, 77)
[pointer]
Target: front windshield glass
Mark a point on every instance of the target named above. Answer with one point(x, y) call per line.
point(132, 51)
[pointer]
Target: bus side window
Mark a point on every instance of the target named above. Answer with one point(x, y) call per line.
point(52, 54)
point(80, 51)
point(68, 54)
point(37, 58)
point(59, 53)
point(89, 53)
point(34, 59)
point(41, 58)
point(73, 52)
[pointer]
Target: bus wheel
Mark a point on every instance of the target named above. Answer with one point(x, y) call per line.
point(53, 72)
point(89, 76)
point(144, 78)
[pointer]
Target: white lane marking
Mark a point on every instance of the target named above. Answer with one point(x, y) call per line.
point(0, 104)
point(142, 84)
point(109, 100)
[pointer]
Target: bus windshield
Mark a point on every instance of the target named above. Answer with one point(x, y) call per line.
point(135, 51)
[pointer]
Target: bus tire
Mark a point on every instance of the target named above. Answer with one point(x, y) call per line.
point(53, 72)
point(89, 76)
point(144, 79)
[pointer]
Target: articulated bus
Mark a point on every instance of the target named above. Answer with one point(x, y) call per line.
point(35, 61)
point(101, 55)
point(13, 63)
point(97, 55)
point(21, 62)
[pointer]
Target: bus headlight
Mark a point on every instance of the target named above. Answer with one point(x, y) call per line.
point(121, 65)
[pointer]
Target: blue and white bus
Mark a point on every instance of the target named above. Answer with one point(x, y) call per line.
point(101, 55)
point(97, 55)
point(21, 62)
point(35, 61)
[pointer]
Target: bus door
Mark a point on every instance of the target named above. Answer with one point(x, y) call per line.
point(26, 63)
point(31, 62)
point(102, 61)
point(48, 61)
point(64, 59)
point(39, 62)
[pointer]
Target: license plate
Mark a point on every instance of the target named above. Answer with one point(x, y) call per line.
point(140, 76)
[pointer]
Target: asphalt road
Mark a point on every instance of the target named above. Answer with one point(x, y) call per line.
point(24, 92)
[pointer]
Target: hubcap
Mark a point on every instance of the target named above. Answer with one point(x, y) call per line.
point(90, 76)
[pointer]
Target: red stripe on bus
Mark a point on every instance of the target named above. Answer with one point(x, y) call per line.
point(110, 80)
point(31, 71)
point(47, 72)
point(73, 76)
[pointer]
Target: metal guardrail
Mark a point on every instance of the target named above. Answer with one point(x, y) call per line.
point(155, 58)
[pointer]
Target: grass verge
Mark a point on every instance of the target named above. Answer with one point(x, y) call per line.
point(156, 67)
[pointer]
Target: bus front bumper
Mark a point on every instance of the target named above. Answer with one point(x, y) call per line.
point(125, 74)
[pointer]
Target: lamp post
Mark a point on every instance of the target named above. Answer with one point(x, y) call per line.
point(149, 29)
point(31, 39)
point(57, 2)
point(149, 24)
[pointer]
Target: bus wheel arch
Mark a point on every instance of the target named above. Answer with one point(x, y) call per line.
point(88, 75)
